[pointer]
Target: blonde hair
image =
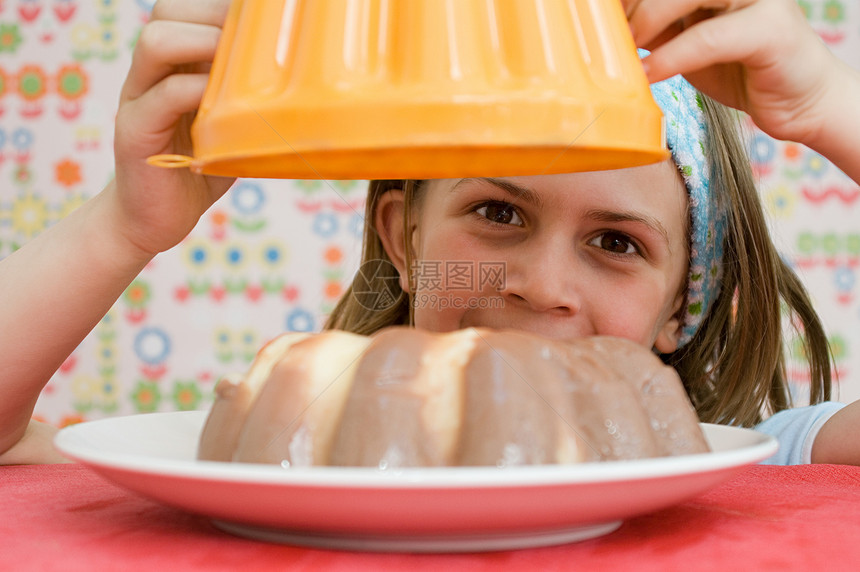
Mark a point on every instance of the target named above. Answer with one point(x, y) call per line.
point(377, 272)
point(734, 367)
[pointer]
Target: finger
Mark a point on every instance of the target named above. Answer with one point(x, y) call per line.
point(663, 36)
point(158, 128)
point(206, 12)
point(653, 19)
point(161, 47)
point(724, 39)
point(152, 118)
point(629, 6)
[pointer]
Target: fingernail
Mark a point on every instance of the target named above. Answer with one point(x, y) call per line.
point(646, 66)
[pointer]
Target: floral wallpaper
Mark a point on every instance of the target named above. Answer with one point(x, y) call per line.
point(276, 255)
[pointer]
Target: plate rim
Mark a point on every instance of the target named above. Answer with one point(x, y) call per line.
point(71, 441)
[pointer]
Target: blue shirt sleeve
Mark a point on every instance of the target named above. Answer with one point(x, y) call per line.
point(795, 430)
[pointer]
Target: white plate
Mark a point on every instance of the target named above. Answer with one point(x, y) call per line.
point(434, 509)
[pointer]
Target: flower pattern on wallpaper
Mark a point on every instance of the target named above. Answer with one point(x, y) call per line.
point(276, 255)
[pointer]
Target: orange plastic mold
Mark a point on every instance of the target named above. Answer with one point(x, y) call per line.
point(363, 89)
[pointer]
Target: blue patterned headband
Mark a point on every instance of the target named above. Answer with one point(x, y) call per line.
point(686, 136)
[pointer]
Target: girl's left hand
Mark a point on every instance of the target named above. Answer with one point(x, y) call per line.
point(759, 56)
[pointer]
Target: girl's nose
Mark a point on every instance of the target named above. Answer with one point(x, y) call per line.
point(545, 279)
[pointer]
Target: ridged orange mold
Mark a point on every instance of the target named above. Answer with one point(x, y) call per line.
point(365, 89)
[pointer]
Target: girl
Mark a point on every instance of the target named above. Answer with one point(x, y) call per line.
point(624, 253)
point(618, 252)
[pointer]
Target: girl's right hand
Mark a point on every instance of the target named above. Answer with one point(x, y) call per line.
point(157, 207)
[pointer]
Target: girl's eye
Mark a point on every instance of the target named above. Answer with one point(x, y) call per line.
point(614, 242)
point(500, 213)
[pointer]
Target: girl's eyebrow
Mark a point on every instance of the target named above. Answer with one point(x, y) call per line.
point(626, 216)
point(515, 191)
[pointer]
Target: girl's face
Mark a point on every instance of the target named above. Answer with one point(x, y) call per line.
point(564, 256)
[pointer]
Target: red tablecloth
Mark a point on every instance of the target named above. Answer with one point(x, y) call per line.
point(65, 517)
